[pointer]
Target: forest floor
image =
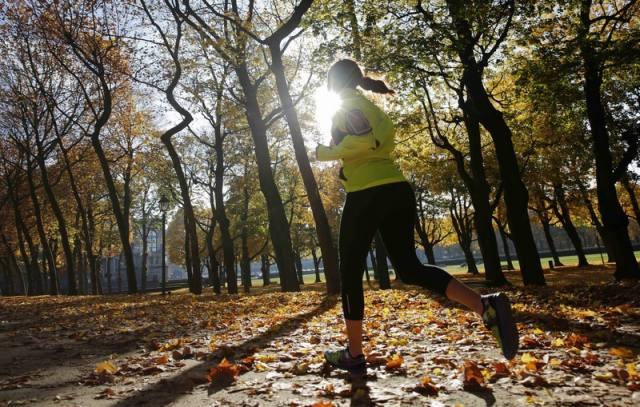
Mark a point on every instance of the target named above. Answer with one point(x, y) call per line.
point(580, 345)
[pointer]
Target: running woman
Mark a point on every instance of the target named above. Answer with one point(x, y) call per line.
point(380, 198)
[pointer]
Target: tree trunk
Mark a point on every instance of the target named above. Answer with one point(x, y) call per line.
point(195, 284)
point(42, 236)
point(596, 223)
point(77, 260)
point(328, 250)
point(316, 264)
point(214, 277)
point(228, 251)
point(85, 215)
point(472, 268)
point(614, 219)
point(187, 255)
point(515, 193)
point(426, 245)
point(374, 264)
point(278, 225)
point(633, 198)
point(266, 270)
point(33, 270)
point(145, 255)
point(505, 248)
point(561, 211)
point(12, 265)
point(109, 285)
point(245, 261)
point(62, 224)
point(546, 227)
point(121, 221)
point(479, 192)
point(462, 226)
point(382, 269)
point(299, 267)
point(119, 276)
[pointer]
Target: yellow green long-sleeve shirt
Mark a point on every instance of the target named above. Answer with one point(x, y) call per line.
point(364, 139)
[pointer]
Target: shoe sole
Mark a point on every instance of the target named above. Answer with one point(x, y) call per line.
point(507, 326)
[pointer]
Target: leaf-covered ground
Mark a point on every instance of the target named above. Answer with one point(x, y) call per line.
point(580, 345)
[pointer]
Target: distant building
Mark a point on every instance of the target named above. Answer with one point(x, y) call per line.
point(114, 268)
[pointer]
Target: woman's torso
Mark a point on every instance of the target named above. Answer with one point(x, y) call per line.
point(375, 166)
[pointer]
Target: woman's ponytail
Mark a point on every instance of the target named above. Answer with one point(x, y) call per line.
point(346, 73)
point(375, 85)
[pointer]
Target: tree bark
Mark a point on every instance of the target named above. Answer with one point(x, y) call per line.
point(633, 198)
point(13, 264)
point(462, 226)
point(30, 257)
point(546, 228)
point(266, 270)
point(44, 243)
point(145, 255)
point(228, 251)
point(245, 261)
point(426, 245)
point(316, 264)
point(562, 212)
point(505, 247)
point(515, 193)
point(278, 225)
point(614, 219)
point(327, 248)
point(214, 277)
point(596, 223)
point(187, 255)
point(109, 284)
point(299, 267)
point(382, 268)
point(479, 191)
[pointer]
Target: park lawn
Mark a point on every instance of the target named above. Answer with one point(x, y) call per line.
point(594, 259)
point(579, 345)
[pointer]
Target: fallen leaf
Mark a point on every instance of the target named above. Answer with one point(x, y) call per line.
point(395, 362)
point(223, 374)
point(107, 368)
point(473, 379)
point(426, 387)
point(624, 353)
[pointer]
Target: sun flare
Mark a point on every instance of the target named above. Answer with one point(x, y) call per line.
point(327, 103)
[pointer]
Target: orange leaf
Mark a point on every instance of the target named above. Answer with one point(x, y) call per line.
point(622, 352)
point(501, 370)
point(577, 340)
point(395, 362)
point(473, 378)
point(223, 374)
point(107, 367)
point(426, 387)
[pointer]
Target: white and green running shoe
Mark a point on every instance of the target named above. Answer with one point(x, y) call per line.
point(498, 318)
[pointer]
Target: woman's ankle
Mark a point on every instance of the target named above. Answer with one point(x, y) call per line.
point(352, 355)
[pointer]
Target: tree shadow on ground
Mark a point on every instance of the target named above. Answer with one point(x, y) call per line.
point(169, 390)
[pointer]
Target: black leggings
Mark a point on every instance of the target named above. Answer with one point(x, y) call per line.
point(390, 208)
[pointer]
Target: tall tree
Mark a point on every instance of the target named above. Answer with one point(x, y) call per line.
point(605, 36)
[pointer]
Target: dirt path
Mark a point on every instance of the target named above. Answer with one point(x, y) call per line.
point(580, 345)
